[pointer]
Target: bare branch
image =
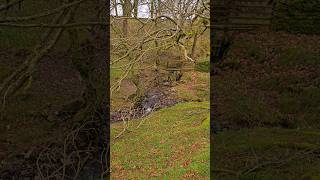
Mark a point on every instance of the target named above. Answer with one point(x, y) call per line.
point(10, 4)
point(44, 14)
point(70, 25)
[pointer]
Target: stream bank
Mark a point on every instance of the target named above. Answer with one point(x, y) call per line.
point(153, 99)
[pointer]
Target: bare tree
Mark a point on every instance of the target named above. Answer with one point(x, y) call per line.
point(178, 22)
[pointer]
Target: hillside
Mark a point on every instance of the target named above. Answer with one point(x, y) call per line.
point(268, 97)
point(171, 143)
point(267, 108)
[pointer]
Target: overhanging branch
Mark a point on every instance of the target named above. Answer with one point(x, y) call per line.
point(70, 25)
point(44, 14)
point(10, 4)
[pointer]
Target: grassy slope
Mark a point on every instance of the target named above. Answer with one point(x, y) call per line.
point(267, 153)
point(268, 87)
point(177, 137)
point(172, 143)
point(259, 87)
point(271, 79)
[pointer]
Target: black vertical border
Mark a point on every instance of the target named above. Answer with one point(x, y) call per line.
point(211, 88)
point(212, 93)
point(107, 140)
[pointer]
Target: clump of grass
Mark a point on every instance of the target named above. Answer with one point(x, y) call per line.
point(310, 97)
point(288, 103)
point(230, 63)
point(194, 86)
point(281, 84)
point(306, 103)
point(115, 73)
point(298, 57)
point(248, 111)
point(203, 66)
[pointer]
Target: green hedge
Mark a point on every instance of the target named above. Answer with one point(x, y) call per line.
point(297, 16)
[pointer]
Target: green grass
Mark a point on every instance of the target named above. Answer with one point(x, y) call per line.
point(299, 57)
point(276, 107)
point(172, 143)
point(286, 154)
point(203, 66)
point(194, 86)
point(250, 111)
point(231, 63)
point(115, 73)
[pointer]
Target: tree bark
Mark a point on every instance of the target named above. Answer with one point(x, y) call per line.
point(126, 6)
point(194, 45)
point(151, 8)
point(116, 7)
point(159, 8)
point(135, 6)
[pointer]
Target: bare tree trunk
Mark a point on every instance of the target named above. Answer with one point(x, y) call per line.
point(126, 6)
point(195, 38)
point(135, 6)
point(125, 27)
point(152, 8)
point(159, 8)
point(116, 7)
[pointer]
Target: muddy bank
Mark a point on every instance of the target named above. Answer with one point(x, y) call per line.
point(154, 99)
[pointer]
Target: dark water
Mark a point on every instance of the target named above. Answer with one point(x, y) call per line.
point(153, 100)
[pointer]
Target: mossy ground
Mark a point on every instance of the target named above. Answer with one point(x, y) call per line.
point(172, 143)
point(267, 91)
point(266, 153)
point(193, 87)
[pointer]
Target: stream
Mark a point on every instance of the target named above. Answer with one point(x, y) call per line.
point(153, 100)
